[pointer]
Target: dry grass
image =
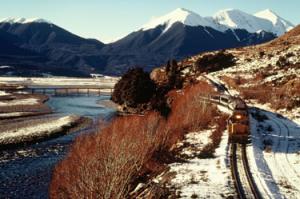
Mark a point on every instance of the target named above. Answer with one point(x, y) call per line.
point(216, 136)
point(280, 95)
point(283, 96)
point(234, 83)
point(108, 164)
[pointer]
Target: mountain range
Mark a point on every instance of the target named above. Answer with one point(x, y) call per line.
point(34, 47)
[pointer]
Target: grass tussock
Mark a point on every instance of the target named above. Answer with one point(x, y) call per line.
point(108, 164)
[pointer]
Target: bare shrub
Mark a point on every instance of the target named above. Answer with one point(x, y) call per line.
point(106, 164)
point(282, 62)
point(283, 96)
point(262, 93)
point(102, 165)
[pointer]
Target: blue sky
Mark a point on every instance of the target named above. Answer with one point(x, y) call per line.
point(110, 19)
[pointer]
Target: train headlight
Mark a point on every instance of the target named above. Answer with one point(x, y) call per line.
point(238, 117)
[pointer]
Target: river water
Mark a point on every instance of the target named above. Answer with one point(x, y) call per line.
point(25, 172)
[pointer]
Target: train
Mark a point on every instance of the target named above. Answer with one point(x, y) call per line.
point(238, 123)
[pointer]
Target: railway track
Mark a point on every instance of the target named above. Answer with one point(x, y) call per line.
point(242, 177)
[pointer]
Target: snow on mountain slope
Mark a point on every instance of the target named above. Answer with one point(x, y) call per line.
point(181, 15)
point(280, 25)
point(236, 19)
point(223, 20)
point(23, 20)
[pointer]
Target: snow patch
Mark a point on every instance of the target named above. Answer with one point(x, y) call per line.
point(3, 93)
point(22, 20)
point(203, 177)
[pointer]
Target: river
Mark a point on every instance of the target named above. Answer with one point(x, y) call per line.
point(26, 172)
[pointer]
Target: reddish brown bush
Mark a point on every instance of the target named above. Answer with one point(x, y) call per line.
point(104, 165)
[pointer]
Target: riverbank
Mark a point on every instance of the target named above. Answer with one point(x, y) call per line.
point(26, 167)
point(28, 118)
point(31, 130)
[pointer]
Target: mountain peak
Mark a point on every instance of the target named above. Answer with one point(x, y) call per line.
point(182, 10)
point(180, 15)
point(280, 25)
point(233, 18)
point(228, 10)
point(22, 20)
point(268, 14)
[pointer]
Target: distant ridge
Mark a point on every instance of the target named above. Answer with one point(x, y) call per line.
point(39, 47)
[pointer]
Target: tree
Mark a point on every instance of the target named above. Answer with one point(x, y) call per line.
point(174, 75)
point(135, 87)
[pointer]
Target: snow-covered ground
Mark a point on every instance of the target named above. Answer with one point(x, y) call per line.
point(202, 178)
point(275, 155)
point(293, 114)
point(247, 66)
point(13, 114)
point(44, 128)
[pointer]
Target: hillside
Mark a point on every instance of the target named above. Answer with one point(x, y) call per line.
point(267, 73)
point(175, 35)
point(267, 77)
point(60, 52)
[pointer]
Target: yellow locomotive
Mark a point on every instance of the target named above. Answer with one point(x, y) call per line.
point(238, 123)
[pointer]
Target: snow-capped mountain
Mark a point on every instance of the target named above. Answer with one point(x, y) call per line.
point(180, 15)
point(12, 20)
point(280, 25)
point(223, 20)
point(236, 19)
point(178, 34)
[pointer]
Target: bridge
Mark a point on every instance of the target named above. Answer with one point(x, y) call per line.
point(70, 90)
